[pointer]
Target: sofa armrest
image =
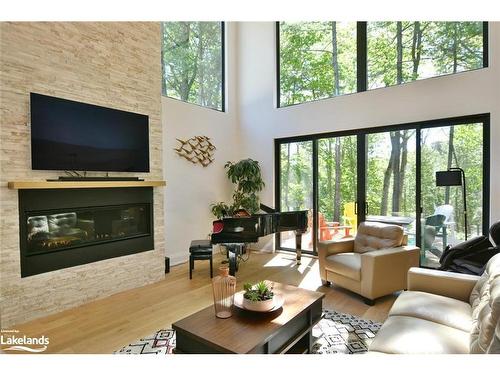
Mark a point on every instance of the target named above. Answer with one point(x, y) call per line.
point(385, 271)
point(448, 284)
point(326, 248)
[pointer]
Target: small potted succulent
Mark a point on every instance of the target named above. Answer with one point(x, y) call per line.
point(258, 297)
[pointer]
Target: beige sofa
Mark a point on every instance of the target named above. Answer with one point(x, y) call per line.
point(373, 264)
point(444, 312)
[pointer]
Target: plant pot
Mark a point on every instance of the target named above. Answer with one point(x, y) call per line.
point(258, 305)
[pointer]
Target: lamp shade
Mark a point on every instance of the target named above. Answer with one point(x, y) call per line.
point(448, 178)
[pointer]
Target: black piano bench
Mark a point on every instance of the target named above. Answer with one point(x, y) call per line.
point(200, 250)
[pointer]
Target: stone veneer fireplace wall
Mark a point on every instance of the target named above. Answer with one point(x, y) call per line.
point(114, 65)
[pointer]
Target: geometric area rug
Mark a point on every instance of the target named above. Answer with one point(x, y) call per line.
point(336, 333)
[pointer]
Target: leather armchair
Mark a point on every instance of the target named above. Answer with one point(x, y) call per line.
point(373, 264)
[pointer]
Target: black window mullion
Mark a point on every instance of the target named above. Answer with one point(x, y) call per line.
point(223, 65)
point(486, 175)
point(278, 83)
point(361, 148)
point(315, 182)
point(361, 53)
point(277, 186)
point(485, 45)
point(418, 186)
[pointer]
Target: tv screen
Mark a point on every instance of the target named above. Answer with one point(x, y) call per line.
point(74, 136)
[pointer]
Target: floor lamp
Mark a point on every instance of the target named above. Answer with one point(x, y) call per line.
point(454, 177)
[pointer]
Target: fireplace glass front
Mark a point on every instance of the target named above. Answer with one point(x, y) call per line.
point(68, 228)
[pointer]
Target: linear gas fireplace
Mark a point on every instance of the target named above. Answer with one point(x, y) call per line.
point(68, 227)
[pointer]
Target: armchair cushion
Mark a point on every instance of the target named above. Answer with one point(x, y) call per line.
point(375, 236)
point(439, 309)
point(345, 264)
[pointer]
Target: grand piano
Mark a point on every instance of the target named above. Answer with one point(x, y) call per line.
point(235, 232)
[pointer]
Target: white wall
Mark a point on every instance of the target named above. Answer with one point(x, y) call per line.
point(191, 187)
point(448, 96)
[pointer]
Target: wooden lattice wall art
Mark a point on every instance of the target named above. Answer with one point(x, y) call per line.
point(197, 149)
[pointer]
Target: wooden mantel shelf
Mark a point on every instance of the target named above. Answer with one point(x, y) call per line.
point(81, 184)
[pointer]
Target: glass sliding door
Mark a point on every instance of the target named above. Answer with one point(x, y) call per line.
point(337, 188)
point(391, 179)
point(296, 188)
point(443, 219)
point(388, 173)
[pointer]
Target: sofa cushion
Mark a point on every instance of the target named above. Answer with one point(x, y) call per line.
point(494, 347)
point(485, 301)
point(405, 335)
point(485, 318)
point(435, 308)
point(375, 236)
point(345, 264)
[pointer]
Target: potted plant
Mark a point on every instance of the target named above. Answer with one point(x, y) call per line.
point(247, 176)
point(258, 297)
point(221, 210)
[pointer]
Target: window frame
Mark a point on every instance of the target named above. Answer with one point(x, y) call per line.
point(361, 134)
point(362, 63)
point(223, 71)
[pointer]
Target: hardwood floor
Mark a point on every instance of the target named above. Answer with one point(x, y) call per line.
point(108, 324)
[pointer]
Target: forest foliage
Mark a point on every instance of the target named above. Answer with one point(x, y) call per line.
point(192, 62)
point(319, 59)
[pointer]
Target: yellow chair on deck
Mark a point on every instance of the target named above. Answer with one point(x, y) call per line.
point(350, 217)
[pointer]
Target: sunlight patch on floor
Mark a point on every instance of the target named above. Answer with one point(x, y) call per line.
point(280, 260)
point(305, 264)
point(311, 278)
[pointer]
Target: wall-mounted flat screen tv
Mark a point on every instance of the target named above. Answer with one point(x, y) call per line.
point(73, 136)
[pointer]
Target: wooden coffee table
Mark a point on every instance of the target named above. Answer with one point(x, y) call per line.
point(286, 330)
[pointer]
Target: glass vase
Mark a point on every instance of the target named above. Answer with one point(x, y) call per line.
point(224, 287)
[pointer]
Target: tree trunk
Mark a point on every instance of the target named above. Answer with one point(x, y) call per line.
point(404, 161)
point(399, 49)
point(385, 187)
point(455, 47)
point(201, 86)
point(335, 61)
point(416, 48)
point(187, 81)
point(338, 176)
point(396, 183)
point(449, 163)
point(287, 187)
point(329, 173)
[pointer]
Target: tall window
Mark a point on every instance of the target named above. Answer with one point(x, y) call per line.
point(193, 62)
point(318, 60)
